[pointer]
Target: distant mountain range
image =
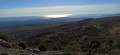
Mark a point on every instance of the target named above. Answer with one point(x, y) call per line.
point(2, 19)
point(96, 15)
point(35, 22)
point(7, 23)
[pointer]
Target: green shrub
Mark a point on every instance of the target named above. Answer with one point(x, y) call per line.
point(5, 38)
point(22, 44)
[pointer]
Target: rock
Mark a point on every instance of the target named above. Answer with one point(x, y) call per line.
point(30, 49)
point(13, 45)
point(21, 50)
point(58, 53)
point(36, 50)
point(0, 46)
point(18, 47)
point(5, 44)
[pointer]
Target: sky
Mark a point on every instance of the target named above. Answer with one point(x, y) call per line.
point(14, 8)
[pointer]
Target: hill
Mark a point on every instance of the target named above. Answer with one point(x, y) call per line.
point(87, 37)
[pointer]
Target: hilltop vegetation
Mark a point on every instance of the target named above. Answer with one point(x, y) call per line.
point(87, 37)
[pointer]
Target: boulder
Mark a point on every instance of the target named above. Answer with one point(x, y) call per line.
point(36, 50)
point(5, 44)
point(30, 49)
point(13, 45)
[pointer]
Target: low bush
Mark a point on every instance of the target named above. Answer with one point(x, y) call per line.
point(22, 44)
point(42, 47)
point(5, 38)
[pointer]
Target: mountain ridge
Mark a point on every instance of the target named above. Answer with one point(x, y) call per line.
point(93, 36)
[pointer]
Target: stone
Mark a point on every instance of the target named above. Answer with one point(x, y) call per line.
point(5, 44)
point(13, 45)
point(30, 49)
point(36, 50)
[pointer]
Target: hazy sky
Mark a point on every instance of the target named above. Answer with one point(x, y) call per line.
point(11, 8)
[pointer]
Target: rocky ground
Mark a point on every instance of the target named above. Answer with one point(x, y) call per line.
point(15, 51)
point(12, 51)
point(7, 49)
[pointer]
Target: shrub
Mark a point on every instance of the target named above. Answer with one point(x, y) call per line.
point(55, 48)
point(42, 47)
point(22, 44)
point(84, 50)
point(118, 44)
point(85, 37)
point(5, 38)
point(95, 45)
point(89, 53)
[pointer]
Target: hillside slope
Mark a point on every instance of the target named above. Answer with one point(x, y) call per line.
point(90, 36)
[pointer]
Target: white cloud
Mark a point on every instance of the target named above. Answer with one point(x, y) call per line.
point(79, 9)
